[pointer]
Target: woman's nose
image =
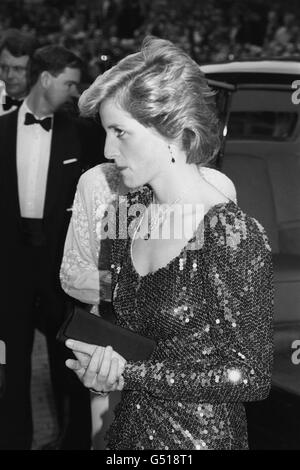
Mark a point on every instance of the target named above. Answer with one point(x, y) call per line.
point(108, 156)
point(110, 151)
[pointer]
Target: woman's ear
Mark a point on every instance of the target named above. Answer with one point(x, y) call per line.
point(188, 138)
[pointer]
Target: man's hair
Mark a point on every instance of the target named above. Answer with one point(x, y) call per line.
point(53, 59)
point(163, 88)
point(17, 43)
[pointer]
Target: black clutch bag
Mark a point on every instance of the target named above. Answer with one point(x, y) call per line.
point(88, 328)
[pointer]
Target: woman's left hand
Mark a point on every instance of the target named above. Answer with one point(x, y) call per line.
point(97, 367)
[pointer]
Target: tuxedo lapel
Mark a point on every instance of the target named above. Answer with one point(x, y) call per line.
point(57, 153)
point(10, 178)
point(64, 164)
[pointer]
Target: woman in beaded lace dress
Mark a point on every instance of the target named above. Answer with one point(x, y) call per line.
point(205, 297)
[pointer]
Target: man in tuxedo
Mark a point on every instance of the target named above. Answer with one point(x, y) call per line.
point(41, 160)
point(16, 49)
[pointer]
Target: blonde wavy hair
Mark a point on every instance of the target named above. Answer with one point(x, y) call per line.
point(163, 88)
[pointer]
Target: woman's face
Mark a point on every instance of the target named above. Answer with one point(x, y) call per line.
point(138, 151)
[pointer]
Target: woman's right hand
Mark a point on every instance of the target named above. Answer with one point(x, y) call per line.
point(97, 367)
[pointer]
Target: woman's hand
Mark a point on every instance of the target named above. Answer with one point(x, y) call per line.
point(97, 367)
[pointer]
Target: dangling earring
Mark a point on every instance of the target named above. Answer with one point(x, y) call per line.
point(172, 157)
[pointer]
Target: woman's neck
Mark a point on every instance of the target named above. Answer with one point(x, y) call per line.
point(183, 181)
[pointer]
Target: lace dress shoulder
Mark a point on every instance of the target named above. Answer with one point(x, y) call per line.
point(80, 274)
point(220, 181)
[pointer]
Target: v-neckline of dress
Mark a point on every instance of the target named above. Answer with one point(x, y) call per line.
point(202, 223)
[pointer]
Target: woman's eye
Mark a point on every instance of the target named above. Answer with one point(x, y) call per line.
point(119, 132)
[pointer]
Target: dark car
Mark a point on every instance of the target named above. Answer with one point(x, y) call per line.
point(260, 111)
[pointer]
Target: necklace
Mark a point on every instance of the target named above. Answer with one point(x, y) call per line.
point(159, 218)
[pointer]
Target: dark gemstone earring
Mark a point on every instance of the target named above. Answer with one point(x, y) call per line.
point(172, 158)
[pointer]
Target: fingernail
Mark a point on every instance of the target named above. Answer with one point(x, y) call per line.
point(69, 343)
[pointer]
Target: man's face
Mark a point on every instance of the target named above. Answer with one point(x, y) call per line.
point(63, 87)
point(14, 73)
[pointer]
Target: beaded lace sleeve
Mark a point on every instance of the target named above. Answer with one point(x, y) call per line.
point(80, 275)
point(234, 363)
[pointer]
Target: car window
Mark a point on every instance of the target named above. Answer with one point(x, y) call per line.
point(261, 125)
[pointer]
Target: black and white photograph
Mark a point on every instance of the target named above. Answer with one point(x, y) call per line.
point(150, 233)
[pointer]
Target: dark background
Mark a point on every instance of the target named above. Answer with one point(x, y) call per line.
point(209, 30)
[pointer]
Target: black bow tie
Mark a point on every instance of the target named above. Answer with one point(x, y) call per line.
point(45, 123)
point(10, 102)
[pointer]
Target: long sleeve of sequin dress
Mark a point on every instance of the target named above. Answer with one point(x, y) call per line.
point(210, 311)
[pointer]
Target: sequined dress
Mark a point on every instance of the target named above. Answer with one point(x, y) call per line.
point(210, 311)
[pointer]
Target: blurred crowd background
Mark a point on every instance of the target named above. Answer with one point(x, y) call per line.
point(103, 31)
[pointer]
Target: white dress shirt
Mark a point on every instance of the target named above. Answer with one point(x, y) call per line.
point(33, 155)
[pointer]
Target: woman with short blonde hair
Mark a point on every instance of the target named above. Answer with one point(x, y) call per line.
point(207, 305)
